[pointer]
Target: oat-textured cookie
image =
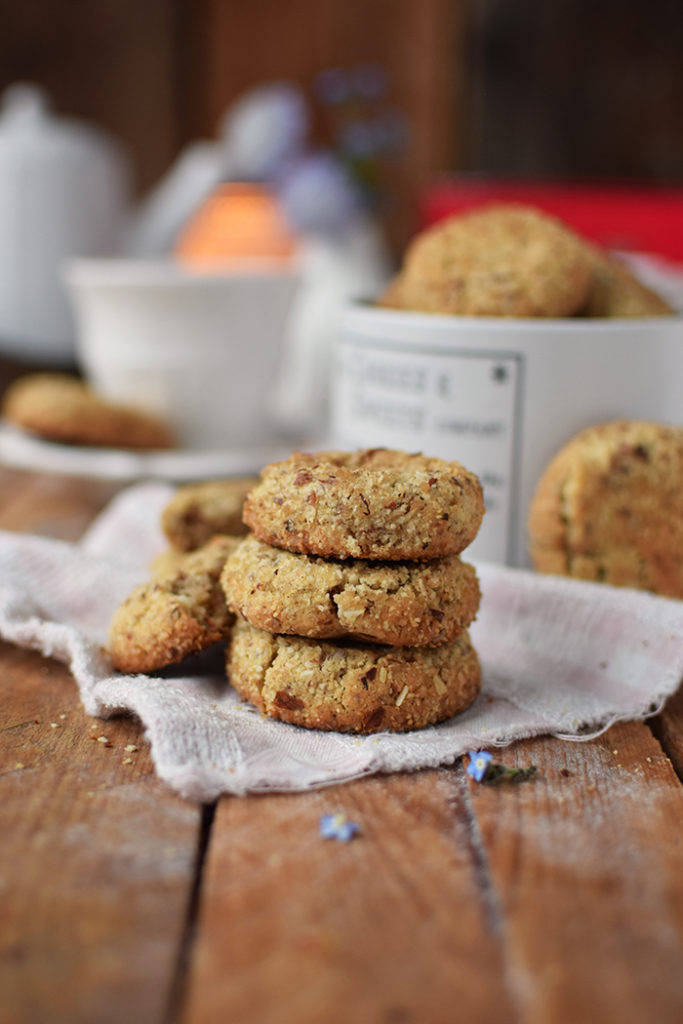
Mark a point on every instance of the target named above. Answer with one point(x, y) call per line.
point(610, 507)
point(373, 503)
point(176, 613)
point(616, 292)
point(503, 260)
point(392, 296)
point(60, 407)
point(197, 512)
point(351, 687)
point(408, 604)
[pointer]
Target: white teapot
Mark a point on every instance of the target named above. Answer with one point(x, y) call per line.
point(63, 192)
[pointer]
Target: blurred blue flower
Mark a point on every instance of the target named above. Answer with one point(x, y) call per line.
point(339, 827)
point(319, 196)
point(359, 139)
point(333, 86)
point(370, 81)
point(265, 130)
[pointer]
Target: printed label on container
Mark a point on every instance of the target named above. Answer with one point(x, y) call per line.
point(456, 404)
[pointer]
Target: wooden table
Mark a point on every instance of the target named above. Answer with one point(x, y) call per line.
point(555, 900)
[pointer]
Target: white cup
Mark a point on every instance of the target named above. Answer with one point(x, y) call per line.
point(500, 396)
point(201, 350)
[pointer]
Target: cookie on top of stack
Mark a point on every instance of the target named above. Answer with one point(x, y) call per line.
point(351, 601)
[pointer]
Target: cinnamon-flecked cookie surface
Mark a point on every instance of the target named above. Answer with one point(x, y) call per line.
point(373, 504)
point(351, 687)
point(174, 614)
point(502, 260)
point(615, 292)
point(60, 407)
point(609, 507)
point(399, 603)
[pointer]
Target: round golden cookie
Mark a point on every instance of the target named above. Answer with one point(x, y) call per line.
point(180, 611)
point(503, 260)
point(350, 687)
point(615, 292)
point(392, 296)
point(373, 503)
point(609, 507)
point(408, 604)
point(197, 512)
point(60, 407)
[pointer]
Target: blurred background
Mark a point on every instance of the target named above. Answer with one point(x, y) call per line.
point(333, 130)
point(574, 90)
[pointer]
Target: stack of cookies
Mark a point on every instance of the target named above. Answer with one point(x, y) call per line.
point(351, 601)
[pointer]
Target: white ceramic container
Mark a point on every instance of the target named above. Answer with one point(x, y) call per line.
point(202, 350)
point(63, 193)
point(501, 396)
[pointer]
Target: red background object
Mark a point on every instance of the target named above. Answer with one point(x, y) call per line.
point(621, 217)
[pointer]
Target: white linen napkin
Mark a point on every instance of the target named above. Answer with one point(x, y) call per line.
point(559, 656)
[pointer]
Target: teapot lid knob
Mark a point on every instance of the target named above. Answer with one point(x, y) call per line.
point(23, 105)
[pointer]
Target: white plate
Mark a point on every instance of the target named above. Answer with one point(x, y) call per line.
point(22, 451)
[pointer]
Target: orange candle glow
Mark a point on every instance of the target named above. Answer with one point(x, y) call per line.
point(237, 224)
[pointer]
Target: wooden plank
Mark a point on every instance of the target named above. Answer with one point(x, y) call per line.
point(53, 506)
point(668, 728)
point(96, 859)
point(586, 860)
point(396, 926)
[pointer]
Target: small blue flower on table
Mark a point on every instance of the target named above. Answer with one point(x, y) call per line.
point(482, 768)
point(479, 763)
point(339, 827)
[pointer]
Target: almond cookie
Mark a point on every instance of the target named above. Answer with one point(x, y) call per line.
point(59, 407)
point(373, 503)
point(610, 507)
point(503, 260)
point(408, 604)
point(392, 296)
point(351, 687)
point(174, 614)
point(615, 292)
point(197, 512)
